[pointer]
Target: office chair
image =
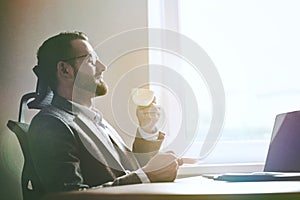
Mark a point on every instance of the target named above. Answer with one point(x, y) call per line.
point(31, 186)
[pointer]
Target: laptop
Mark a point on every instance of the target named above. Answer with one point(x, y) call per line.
point(283, 158)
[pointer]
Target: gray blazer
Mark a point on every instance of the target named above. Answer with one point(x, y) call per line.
point(68, 153)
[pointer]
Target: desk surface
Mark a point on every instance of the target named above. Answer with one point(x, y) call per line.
point(191, 188)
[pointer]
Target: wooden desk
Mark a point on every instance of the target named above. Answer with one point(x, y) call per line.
point(190, 188)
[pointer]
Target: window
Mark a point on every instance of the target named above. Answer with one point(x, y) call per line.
point(254, 46)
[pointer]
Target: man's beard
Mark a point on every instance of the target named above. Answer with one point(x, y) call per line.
point(101, 88)
point(93, 86)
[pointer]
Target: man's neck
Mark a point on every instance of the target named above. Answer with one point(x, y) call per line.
point(82, 101)
point(79, 96)
point(82, 97)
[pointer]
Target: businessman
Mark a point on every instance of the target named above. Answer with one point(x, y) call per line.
point(71, 144)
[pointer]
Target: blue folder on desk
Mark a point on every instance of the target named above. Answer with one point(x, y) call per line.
point(258, 176)
point(283, 158)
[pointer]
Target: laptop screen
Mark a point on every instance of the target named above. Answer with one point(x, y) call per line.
point(284, 149)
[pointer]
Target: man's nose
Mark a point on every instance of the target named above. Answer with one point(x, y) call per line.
point(100, 66)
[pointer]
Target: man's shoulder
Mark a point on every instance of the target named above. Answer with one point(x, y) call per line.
point(53, 112)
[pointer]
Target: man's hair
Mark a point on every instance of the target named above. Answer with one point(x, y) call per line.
point(53, 50)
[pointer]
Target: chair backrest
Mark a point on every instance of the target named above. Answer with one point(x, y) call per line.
point(31, 185)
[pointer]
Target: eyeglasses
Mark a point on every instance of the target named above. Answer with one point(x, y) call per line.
point(91, 58)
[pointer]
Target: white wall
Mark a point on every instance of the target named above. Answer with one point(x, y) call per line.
point(24, 26)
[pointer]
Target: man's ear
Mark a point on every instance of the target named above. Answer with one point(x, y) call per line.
point(65, 70)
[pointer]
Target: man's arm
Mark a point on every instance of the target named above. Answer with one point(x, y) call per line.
point(143, 145)
point(55, 154)
point(148, 139)
point(144, 149)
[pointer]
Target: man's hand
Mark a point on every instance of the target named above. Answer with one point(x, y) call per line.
point(148, 117)
point(162, 167)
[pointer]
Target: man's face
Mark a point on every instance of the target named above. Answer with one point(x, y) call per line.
point(88, 69)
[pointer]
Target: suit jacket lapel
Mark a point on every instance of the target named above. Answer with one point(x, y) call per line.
point(115, 136)
point(88, 135)
point(94, 142)
point(127, 156)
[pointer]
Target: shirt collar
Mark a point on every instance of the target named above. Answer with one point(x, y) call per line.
point(90, 112)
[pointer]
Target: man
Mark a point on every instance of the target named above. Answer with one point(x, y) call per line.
point(72, 146)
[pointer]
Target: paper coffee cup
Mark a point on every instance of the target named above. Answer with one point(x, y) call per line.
point(142, 96)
